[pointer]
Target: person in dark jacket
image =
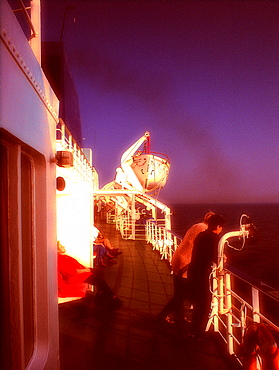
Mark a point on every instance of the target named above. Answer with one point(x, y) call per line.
point(179, 265)
point(204, 254)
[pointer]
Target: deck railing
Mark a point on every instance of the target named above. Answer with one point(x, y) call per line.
point(65, 141)
point(238, 300)
point(130, 229)
point(19, 7)
point(162, 239)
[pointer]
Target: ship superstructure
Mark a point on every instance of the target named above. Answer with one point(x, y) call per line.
point(47, 184)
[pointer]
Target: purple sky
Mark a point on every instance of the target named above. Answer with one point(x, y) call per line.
point(200, 76)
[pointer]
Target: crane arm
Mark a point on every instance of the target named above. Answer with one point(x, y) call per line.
point(128, 154)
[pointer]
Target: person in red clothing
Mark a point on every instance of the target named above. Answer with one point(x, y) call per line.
point(74, 272)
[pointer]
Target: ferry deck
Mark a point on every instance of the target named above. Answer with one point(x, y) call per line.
point(130, 337)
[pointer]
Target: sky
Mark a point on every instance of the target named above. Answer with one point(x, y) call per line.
point(200, 76)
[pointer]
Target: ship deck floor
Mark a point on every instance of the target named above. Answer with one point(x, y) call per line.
point(130, 337)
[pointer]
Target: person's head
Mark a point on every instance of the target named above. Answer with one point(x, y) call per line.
point(207, 215)
point(60, 248)
point(215, 223)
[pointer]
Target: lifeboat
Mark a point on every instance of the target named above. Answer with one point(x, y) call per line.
point(142, 170)
point(151, 171)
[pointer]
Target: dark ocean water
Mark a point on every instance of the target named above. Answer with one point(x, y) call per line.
point(259, 260)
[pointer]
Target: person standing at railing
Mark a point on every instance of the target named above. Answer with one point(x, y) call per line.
point(204, 253)
point(179, 264)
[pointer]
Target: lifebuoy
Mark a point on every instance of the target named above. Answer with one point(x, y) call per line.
point(259, 342)
point(250, 348)
point(268, 348)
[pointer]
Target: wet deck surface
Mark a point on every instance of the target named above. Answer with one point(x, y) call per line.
point(93, 336)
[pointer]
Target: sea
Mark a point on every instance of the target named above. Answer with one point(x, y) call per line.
point(259, 259)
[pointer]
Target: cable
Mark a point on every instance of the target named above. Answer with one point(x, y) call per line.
point(237, 249)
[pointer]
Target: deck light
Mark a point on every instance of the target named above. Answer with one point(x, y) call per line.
point(64, 159)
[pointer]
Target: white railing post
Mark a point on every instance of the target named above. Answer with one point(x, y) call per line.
point(164, 244)
point(256, 304)
point(228, 307)
point(155, 237)
point(133, 217)
point(63, 138)
point(147, 232)
point(214, 303)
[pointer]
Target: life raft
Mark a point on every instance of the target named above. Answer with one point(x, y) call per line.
point(259, 349)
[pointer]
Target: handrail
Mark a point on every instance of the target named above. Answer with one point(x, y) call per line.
point(232, 311)
point(262, 287)
point(65, 141)
point(27, 17)
point(163, 240)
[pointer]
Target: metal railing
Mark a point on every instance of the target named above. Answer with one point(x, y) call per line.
point(111, 218)
point(237, 299)
point(25, 10)
point(130, 229)
point(65, 141)
point(162, 239)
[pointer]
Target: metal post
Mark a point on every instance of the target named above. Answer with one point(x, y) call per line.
point(228, 305)
point(133, 218)
point(213, 319)
point(35, 25)
point(255, 304)
point(214, 312)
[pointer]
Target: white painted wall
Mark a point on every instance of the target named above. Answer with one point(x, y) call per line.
point(28, 109)
point(75, 215)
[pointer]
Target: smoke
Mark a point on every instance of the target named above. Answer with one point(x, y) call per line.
point(213, 175)
point(138, 69)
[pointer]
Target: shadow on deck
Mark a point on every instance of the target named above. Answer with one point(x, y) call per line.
point(95, 337)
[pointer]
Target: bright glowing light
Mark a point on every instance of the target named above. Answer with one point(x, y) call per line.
point(75, 216)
